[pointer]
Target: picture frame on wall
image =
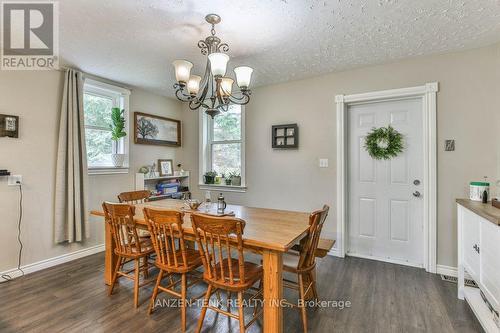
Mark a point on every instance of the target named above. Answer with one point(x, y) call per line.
point(155, 130)
point(166, 168)
point(285, 136)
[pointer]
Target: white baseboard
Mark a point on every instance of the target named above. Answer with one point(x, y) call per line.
point(51, 262)
point(446, 270)
point(450, 271)
point(334, 252)
point(440, 269)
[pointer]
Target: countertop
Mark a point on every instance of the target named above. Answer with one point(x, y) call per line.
point(486, 211)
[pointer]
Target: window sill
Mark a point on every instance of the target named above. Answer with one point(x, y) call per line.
point(108, 171)
point(222, 188)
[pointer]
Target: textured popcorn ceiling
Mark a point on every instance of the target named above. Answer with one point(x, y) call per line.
point(135, 41)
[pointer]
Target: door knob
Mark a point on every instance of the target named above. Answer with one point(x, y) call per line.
point(416, 194)
point(416, 182)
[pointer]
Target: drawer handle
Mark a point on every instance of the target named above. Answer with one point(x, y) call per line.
point(476, 247)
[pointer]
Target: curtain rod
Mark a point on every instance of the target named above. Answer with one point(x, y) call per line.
point(95, 77)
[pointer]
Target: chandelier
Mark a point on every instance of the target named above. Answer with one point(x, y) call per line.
point(214, 92)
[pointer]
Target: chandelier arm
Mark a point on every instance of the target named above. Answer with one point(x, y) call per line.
point(181, 96)
point(240, 101)
point(223, 47)
point(203, 47)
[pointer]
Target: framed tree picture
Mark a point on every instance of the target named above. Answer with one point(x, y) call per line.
point(155, 130)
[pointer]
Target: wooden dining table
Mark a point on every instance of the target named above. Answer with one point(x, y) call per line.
point(269, 232)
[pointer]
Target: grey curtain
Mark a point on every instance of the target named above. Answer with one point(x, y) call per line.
point(71, 203)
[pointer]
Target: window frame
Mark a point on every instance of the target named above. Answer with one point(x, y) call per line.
point(120, 97)
point(206, 143)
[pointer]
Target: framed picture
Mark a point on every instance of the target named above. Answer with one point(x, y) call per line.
point(155, 130)
point(285, 136)
point(166, 167)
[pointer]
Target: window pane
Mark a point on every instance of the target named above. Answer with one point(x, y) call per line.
point(97, 110)
point(99, 147)
point(227, 125)
point(226, 157)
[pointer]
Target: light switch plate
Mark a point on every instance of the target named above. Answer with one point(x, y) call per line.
point(323, 163)
point(14, 179)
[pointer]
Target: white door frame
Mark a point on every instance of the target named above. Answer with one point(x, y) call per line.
point(428, 94)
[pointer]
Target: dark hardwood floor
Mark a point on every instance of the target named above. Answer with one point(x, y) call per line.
point(384, 298)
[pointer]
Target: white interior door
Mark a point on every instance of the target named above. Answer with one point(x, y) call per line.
point(385, 215)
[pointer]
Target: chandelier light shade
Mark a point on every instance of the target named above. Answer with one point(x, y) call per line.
point(243, 76)
point(213, 91)
point(193, 85)
point(218, 63)
point(182, 70)
point(226, 86)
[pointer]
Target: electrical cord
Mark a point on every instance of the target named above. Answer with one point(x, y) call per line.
point(7, 277)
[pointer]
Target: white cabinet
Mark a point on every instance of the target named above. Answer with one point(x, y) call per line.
point(479, 256)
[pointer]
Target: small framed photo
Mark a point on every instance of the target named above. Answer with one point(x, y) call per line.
point(166, 167)
point(285, 136)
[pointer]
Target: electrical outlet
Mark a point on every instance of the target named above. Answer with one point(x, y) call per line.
point(15, 180)
point(323, 163)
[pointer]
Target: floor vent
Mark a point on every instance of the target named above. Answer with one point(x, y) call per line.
point(452, 279)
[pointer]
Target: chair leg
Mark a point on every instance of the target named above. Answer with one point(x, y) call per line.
point(183, 300)
point(312, 276)
point(228, 301)
point(146, 267)
point(241, 315)
point(115, 274)
point(136, 282)
point(302, 307)
point(204, 308)
point(255, 304)
point(155, 292)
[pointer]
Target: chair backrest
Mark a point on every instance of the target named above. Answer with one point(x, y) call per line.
point(310, 243)
point(217, 239)
point(120, 216)
point(165, 227)
point(134, 197)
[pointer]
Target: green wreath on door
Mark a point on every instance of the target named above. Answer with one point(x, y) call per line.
point(384, 143)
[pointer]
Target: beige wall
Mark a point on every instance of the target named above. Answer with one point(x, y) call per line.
point(468, 108)
point(35, 97)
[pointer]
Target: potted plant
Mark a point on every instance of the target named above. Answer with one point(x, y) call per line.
point(235, 178)
point(117, 132)
point(209, 177)
point(228, 180)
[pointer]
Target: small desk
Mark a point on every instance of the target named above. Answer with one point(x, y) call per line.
point(269, 232)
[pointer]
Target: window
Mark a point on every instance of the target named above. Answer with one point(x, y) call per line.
point(98, 100)
point(223, 146)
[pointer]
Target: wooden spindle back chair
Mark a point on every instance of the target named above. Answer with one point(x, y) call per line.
point(167, 236)
point(123, 228)
point(172, 254)
point(304, 263)
point(128, 245)
point(310, 244)
point(218, 238)
point(134, 197)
